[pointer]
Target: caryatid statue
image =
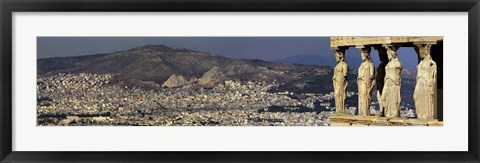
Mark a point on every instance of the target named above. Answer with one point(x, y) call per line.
point(340, 81)
point(391, 90)
point(366, 82)
point(424, 94)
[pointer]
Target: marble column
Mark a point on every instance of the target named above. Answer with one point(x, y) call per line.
point(391, 99)
point(340, 82)
point(365, 81)
point(425, 95)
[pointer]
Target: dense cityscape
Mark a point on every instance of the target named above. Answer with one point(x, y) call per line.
point(90, 99)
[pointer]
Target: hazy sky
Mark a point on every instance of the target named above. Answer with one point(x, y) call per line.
point(265, 48)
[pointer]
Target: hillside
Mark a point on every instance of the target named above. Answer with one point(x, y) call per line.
point(151, 65)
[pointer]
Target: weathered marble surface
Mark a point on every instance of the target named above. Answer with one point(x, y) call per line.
point(349, 120)
point(354, 41)
point(424, 94)
point(340, 82)
point(366, 82)
point(391, 98)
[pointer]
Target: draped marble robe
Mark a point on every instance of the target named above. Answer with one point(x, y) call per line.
point(391, 98)
point(424, 94)
point(340, 82)
point(366, 82)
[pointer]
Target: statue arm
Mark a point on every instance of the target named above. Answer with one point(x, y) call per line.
point(334, 73)
point(335, 87)
point(345, 70)
point(399, 96)
point(398, 81)
point(372, 72)
point(372, 76)
point(345, 73)
point(400, 67)
point(372, 85)
point(434, 75)
point(360, 77)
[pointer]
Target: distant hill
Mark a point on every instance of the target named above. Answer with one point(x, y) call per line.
point(319, 60)
point(353, 62)
point(156, 63)
point(410, 74)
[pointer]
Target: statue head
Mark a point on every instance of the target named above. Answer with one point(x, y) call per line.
point(423, 51)
point(365, 53)
point(391, 55)
point(391, 52)
point(339, 56)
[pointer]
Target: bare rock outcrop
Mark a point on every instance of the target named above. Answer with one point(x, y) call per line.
point(211, 78)
point(175, 81)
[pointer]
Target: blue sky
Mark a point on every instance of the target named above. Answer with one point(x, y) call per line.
point(265, 48)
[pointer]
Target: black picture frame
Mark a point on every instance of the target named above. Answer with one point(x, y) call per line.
point(7, 7)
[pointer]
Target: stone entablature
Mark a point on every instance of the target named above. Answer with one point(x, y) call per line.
point(360, 41)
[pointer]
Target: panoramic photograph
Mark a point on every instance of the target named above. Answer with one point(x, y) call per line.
point(240, 81)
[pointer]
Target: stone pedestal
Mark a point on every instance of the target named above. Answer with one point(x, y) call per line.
point(349, 120)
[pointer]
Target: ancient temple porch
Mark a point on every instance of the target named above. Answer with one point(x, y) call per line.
point(429, 46)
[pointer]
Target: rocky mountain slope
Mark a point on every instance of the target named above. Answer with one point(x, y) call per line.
point(150, 66)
